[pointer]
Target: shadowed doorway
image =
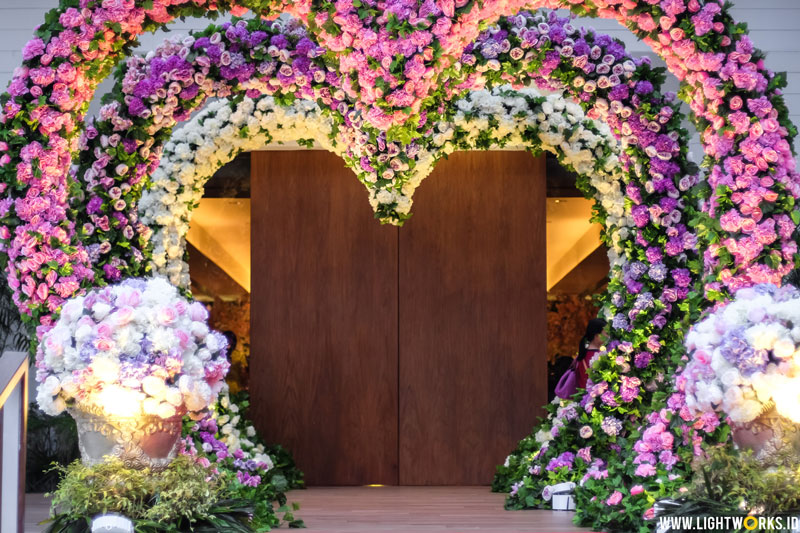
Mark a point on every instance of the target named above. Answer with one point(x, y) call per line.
point(411, 356)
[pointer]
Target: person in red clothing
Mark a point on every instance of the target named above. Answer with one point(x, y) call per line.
point(591, 342)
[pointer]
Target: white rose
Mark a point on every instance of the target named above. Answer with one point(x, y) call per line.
point(174, 396)
point(783, 348)
point(166, 410)
point(100, 310)
point(154, 387)
point(150, 406)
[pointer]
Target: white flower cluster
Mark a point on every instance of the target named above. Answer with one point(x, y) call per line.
point(131, 349)
point(237, 431)
point(195, 152)
point(219, 133)
point(746, 355)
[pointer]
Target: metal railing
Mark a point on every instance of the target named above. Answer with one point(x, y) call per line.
point(13, 429)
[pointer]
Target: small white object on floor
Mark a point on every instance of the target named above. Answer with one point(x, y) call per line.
point(563, 502)
point(111, 523)
point(561, 496)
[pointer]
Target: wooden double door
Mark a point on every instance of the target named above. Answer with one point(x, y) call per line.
point(385, 355)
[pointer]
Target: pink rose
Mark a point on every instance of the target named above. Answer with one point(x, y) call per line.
point(198, 312)
point(637, 489)
point(615, 498)
point(645, 470)
point(124, 315)
point(42, 291)
point(183, 338)
point(167, 315)
point(105, 331)
point(104, 345)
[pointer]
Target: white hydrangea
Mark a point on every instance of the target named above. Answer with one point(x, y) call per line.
point(743, 381)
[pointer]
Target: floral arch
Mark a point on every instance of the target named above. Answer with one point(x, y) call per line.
point(525, 119)
point(384, 72)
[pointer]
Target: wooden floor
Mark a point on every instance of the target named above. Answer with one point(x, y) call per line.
point(412, 509)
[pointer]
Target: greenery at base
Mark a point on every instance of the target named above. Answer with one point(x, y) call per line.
point(734, 483)
point(184, 497)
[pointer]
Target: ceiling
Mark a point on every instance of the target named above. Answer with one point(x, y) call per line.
point(570, 236)
point(220, 230)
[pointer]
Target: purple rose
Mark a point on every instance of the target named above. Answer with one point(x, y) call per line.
point(94, 205)
point(642, 359)
point(641, 215)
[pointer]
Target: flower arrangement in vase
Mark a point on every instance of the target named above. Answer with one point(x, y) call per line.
point(745, 362)
point(128, 361)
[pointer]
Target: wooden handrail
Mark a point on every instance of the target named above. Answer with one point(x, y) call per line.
point(13, 390)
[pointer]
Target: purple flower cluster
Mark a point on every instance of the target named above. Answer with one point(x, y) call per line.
point(163, 90)
point(205, 436)
point(566, 459)
point(611, 426)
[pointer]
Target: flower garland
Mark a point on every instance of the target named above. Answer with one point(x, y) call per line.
point(388, 154)
point(394, 58)
point(522, 119)
point(677, 242)
point(123, 147)
point(646, 154)
point(101, 29)
point(196, 151)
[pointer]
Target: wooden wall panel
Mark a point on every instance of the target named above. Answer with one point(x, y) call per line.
point(472, 317)
point(324, 319)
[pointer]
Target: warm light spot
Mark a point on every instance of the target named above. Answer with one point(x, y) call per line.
point(375, 485)
point(120, 402)
point(571, 236)
point(220, 229)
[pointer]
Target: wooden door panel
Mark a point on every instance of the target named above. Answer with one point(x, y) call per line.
point(472, 317)
point(324, 319)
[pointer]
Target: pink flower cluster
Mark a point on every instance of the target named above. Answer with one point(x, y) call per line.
point(40, 116)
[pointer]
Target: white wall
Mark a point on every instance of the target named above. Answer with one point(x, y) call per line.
point(774, 25)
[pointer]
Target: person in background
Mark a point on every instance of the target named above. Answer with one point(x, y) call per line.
point(590, 344)
point(555, 370)
point(232, 341)
point(238, 374)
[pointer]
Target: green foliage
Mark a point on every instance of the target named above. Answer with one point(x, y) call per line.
point(735, 484)
point(184, 497)
point(740, 481)
point(14, 335)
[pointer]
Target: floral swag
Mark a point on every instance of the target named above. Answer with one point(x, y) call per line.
point(384, 74)
point(223, 129)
